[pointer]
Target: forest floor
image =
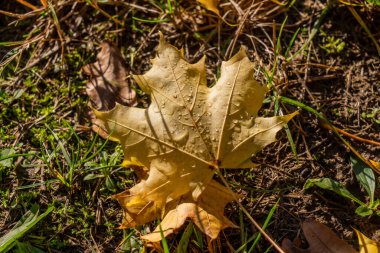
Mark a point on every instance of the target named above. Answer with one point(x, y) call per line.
point(316, 53)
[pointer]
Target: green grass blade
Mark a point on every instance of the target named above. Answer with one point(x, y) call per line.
point(23, 247)
point(243, 234)
point(291, 141)
point(92, 145)
point(76, 156)
point(16, 155)
point(292, 42)
point(302, 106)
point(199, 239)
point(61, 147)
point(290, 137)
point(27, 221)
point(265, 225)
point(48, 182)
point(314, 30)
point(11, 43)
point(278, 45)
point(102, 167)
point(95, 153)
point(163, 240)
point(170, 8)
point(332, 185)
point(244, 246)
point(185, 239)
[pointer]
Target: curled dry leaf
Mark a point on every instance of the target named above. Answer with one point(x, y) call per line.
point(321, 240)
point(108, 84)
point(188, 132)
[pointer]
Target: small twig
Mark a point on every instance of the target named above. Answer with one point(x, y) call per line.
point(10, 14)
point(29, 5)
point(231, 46)
point(96, 7)
point(350, 135)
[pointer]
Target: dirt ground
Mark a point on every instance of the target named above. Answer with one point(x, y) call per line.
point(341, 83)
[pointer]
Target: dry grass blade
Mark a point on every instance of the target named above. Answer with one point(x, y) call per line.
point(365, 27)
point(59, 30)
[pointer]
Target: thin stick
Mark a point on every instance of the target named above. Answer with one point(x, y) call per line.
point(25, 3)
point(324, 125)
point(10, 14)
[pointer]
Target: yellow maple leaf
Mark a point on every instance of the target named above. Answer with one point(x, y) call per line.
point(188, 132)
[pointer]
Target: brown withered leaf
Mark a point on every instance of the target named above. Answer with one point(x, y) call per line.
point(321, 240)
point(188, 132)
point(108, 84)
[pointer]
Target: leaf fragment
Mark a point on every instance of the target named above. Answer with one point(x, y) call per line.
point(211, 5)
point(321, 240)
point(367, 245)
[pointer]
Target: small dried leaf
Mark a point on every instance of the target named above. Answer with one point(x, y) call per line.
point(321, 240)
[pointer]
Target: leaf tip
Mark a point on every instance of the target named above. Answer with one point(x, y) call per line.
point(366, 244)
point(162, 38)
point(288, 117)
